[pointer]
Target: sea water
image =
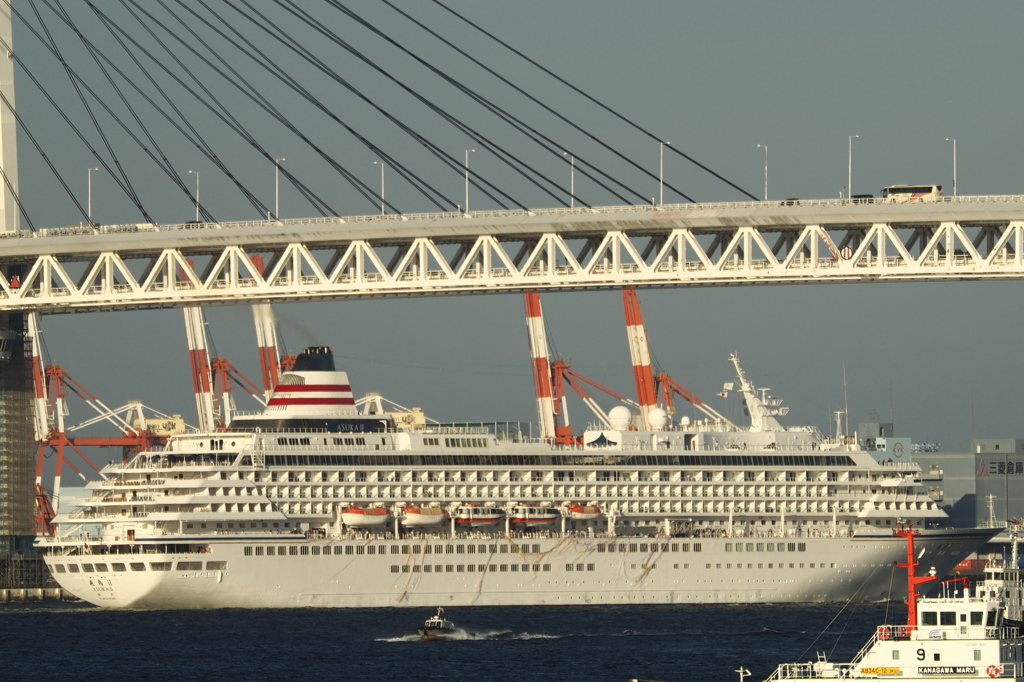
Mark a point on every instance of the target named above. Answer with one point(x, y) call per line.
point(685, 643)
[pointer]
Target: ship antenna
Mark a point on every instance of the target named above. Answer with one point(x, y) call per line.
point(913, 580)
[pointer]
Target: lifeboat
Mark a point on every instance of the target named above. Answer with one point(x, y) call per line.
point(584, 512)
point(469, 516)
point(417, 517)
point(526, 516)
point(361, 517)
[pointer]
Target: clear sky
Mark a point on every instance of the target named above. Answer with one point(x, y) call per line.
point(716, 79)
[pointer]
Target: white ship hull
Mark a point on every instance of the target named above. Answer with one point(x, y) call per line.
point(520, 571)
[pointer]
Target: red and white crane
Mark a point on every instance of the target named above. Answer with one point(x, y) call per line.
point(51, 387)
point(640, 352)
point(542, 378)
point(202, 371)
point(266, 340)
point(650, 386)
point(550, 381)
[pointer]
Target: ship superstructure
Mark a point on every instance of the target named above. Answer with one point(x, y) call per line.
point(320, 500)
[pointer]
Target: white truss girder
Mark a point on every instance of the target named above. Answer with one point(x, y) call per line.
point(696, 245)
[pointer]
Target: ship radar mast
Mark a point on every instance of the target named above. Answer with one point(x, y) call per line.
point(763, 408)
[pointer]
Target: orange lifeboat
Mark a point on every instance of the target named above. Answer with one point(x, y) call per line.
point(361, 517)
point(582, 512)
point(418, 517)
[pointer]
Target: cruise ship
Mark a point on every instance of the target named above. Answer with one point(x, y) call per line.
point(321, 500)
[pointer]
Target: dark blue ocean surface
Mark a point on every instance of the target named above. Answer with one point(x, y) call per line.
point(520, 644)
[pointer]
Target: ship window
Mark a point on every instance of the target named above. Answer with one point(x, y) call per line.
point(643, 547)
point(426, 569)
point(568, 567)
point(337, 549)
point(360, 549)
point(87, 568)
point(405, 569)
point(259, 551)
point(416, 568)
point(349, 549)
point(120, 568)
point(801, 547)
point(493, 568)
point(186, 566)
point(947, 618)
point(394, 549)
point(216, 565)
point(293, 550)
point(536, 549)
point(316, 551)
point(990, 621)
point(60, 568)
point(138, 566)
point(929, 618)
point(600, 548)
point(304, 550)
point(696, 547)
point(547, 567)
point(632, 547)
point(247, 551)
point(394, 568)
point(977, 654)
point(460, 568)
point(976, 617)
point(472, 568)
point(416, 549)
point(895, 654)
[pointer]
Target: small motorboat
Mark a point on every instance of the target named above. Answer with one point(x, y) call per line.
point(437, 627)
point(582, 512)
point(364, 517)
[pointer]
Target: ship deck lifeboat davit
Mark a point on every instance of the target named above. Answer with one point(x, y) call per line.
point(364, 517)
point(471, 516)
point(418, 517)
point(584, 512)
point(528, 516)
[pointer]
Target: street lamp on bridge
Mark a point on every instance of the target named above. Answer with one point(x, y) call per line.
point(381, 164)
point(661, 172)
point(953, 140)
point(468, 152)
point(197, 192)
point(849, 169)
point(765, 147)
point(277, 187)
point(572, 179)
point(89, 202)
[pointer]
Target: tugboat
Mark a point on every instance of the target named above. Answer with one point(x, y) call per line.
point(960, 638)
point(437, 627)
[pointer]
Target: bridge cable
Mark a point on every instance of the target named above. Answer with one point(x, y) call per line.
point(237, 81)
point(28, 72)
point(195, 138)
point(420, 184)
point(55, 50)
point(453, 163)
point(163, 162)
point(600, 104)
point(502, 154)
point(226, 116)
point(579, 160)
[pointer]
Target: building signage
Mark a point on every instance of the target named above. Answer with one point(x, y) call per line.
point(949, 670)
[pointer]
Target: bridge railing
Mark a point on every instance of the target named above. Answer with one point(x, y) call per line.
point(87, 228)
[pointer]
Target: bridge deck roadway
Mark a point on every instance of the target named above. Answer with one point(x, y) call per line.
point(85, 267)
